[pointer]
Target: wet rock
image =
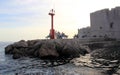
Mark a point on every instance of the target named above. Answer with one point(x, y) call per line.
point(8, 49)
point(16, 56)
point(109, 66)
point(112, 53)
point(102, 61)
point(83, 61)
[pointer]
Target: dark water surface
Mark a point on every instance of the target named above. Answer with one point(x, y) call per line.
point(34, 66)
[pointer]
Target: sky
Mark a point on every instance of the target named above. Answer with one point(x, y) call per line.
point(29, 19)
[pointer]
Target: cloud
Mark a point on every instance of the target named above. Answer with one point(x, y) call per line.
point(23, 13)
point(30, 19)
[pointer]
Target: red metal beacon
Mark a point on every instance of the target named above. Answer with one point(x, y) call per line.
point(52, 31)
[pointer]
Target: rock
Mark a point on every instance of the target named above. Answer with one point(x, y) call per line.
point(115, 61)
point(64, 48)
point(34, 42)
point(102, 55)
point(102, 61)
point(48, 50)
point(112, 53)
point(72, 49)
point(20, 44)
point(16, 56)
point(16, 53)
point(94, 46)
point(36, 53)
point(83, 61)
point(68, 50)
point(86, 48)
point(61, 48)
point(38, 45)
point(8, 49)
point(116, 74)
point(31, 42)
point(30, 52)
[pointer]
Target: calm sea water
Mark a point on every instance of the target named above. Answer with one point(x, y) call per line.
point(33, 66)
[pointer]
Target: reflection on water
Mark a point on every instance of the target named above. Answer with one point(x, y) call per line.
point(34, 66)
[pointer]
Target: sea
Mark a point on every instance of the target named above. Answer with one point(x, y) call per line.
point(34, 66)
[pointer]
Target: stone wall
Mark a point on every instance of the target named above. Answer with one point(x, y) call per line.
point(105, 23)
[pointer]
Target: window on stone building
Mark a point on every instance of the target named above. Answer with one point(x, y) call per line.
point(94, 36)
point(84, 36)
point(111, 25)
point(100, 27)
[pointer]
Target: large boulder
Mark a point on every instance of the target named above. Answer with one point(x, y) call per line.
point(20, 44)
point(48, 50)
point(9, 49)
point(17, 53)
point(72, 49)
point(16, 56)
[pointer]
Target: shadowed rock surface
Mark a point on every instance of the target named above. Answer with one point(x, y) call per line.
point(50, 49)
point(109, 51)
point(102, 54)
point(64, 48)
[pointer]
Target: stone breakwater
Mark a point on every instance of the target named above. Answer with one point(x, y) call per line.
point(64, 48)
point(48, 49)
point(102, 54)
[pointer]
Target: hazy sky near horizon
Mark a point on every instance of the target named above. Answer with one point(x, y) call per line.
point(29, 19)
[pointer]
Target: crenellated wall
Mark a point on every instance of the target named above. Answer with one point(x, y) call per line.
point(105, 23)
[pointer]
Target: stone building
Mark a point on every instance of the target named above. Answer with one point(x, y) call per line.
point(84, 32)
point(104, 24)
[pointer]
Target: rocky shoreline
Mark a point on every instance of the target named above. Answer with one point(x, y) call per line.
point(104, 54)
point(49, 49)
